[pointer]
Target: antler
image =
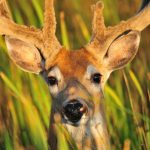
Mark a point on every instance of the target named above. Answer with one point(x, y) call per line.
point(44, 39)
point(102, 37)
point(8, 27)
point(51, 44)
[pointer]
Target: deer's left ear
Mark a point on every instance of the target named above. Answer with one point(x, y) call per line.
point(122, 50)
point(25, 55)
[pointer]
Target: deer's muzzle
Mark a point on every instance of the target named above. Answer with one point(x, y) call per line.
point(73, 111)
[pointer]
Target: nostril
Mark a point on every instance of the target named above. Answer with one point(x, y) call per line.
point(74, 111)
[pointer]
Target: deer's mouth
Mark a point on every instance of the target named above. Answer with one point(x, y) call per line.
point(74, 111)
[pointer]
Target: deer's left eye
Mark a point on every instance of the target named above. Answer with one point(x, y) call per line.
point(96, 78)
point(52, 81)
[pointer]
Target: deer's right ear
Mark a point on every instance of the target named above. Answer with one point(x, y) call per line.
point(25, 55)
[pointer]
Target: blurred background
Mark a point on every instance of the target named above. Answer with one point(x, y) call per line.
point(24, 98)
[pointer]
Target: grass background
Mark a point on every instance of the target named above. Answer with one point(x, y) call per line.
point(24, 98)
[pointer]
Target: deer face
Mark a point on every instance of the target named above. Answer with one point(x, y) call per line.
point(75, 78)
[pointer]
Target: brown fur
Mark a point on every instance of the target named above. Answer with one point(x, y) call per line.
point(72, 63)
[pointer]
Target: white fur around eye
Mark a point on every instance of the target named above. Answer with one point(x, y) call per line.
point(55, 72)
point(92, 86)
point(90, 71)
point(54, 89)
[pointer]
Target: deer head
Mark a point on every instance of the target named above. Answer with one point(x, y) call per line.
point(76, 79)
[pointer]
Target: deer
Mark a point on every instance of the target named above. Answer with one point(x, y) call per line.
point(76, 79)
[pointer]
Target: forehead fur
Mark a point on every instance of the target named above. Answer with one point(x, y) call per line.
point(73, 64)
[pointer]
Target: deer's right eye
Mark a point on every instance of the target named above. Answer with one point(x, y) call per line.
point(52, 81)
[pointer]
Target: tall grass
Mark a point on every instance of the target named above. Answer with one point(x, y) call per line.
point(24, 98)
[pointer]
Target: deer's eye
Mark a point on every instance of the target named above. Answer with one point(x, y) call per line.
point(52, 81)
point(96, 78)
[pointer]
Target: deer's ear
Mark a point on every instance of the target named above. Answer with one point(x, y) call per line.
point(25, 55)
point(122, 50)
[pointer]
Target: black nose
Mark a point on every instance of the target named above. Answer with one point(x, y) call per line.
point(74, 111)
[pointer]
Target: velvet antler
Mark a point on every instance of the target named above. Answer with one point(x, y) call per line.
point(102, 37)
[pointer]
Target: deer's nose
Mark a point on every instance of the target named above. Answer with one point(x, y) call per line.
point(73, 111)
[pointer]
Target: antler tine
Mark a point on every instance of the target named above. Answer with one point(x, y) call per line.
point(98, 20)
point(49, 19)
point(4, 11)
point(8, 27)
point(98, 27)
point(51, 44)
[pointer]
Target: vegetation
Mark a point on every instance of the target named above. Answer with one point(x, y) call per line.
point(24, 98)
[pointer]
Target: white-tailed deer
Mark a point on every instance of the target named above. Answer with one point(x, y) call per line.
point(76, 79)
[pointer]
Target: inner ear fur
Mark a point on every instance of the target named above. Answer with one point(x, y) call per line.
point(122, 50)
point(25, 55)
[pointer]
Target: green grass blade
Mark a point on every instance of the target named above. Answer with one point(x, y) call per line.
point(9, 84)
point(83, 28)
point(64, 34)
point(38, 10)
point(116, 99)
point(136, 83)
